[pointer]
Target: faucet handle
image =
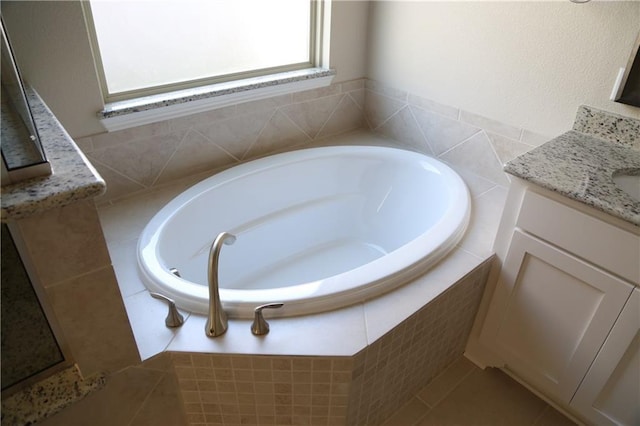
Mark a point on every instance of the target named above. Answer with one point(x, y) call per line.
point(260, 327)
point(174, 318)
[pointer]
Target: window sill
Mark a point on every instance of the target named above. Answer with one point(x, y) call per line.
point(150, 109)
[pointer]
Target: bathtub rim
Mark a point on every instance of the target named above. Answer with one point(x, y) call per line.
point(197, 301)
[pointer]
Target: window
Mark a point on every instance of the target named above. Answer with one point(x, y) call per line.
point(151, 47)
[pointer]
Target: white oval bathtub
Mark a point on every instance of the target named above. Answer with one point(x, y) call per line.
point(316, 229)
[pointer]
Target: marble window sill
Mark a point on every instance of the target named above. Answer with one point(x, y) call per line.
point(150, 109)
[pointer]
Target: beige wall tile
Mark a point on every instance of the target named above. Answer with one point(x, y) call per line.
point(358, 97)
point(483, 225)
point(118, 185)
point(142, 160)
point(279, 133)
point(160, 362)
point(507, 149)
point(90, 311)
point(307, 95)
point(85, 144)
point(195, 154)
point(310, 116)
point(379, 108)
point(402, 127)
point(349, 86)
point(126, 136)
point(64, 243)
point(535, 139)
point(429, 105)
point(442, 133)
point(189, 121)
point(235, 135)
point(346, 116)
point(381, 88)
point(269, 104)
point(147, 319)
point(125, 264)
point(488, 124)
point(477, 155)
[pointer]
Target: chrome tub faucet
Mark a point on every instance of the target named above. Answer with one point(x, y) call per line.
point(217, 320)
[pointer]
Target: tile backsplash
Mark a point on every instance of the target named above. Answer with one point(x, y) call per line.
point(145, 157)
point(460, 138)
point(139, 158)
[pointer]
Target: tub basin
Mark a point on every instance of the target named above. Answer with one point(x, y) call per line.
point(317, 229)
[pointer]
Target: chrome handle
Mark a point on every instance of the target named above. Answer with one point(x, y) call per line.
point(260, 327)
point(174, 318)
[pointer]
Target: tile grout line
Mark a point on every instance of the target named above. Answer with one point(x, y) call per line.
point(147, 397)
point(448, 393)
point(480, 130)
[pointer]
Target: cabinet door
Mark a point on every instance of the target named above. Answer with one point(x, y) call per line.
point(550, 314)
point(610, 392)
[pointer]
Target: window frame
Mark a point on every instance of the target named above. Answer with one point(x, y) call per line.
point(315, 60)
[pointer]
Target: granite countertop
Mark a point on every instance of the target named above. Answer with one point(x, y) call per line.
point(73, 178)
point(580, 166)
point(49, 396)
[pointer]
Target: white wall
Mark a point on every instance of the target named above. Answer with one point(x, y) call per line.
point(527, 64)
point(53, 51)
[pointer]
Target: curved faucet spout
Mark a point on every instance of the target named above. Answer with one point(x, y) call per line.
point(217, 320)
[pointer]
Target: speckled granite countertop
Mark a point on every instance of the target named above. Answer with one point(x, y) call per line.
point(73, 178)
point(580, 166)
point(48, 396)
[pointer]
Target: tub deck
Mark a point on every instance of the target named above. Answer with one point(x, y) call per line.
point(367, 321)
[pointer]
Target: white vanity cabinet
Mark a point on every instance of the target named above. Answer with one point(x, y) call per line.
point(610, 392)
point(566, 276)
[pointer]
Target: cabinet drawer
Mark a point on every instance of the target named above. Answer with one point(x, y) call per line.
point(606, 245)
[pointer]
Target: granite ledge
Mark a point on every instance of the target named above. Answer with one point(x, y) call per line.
point(49, 396)
point(73, 178)
point(580, 167)
point(120, 108)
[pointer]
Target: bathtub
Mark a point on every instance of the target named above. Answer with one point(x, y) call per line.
point(317, 229)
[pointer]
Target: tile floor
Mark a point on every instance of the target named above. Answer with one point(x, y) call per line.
point(467, 395)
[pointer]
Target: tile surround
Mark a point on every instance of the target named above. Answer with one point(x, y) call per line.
point(138, 159)
point(182, 149)
point(460, 138)
point(148, 156)
point(123, 221)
